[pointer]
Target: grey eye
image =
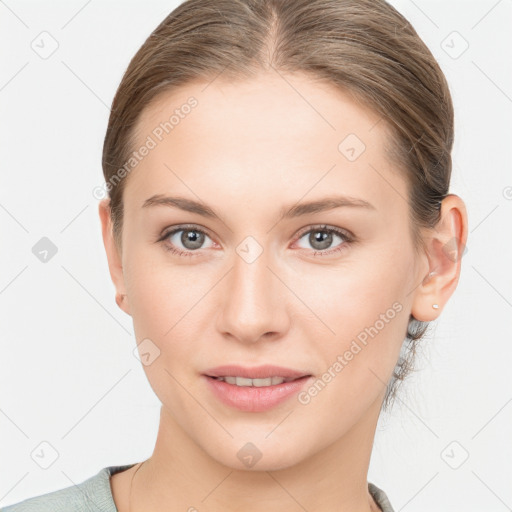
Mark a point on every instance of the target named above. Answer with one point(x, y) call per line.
point(321, 239)
point(190, 239)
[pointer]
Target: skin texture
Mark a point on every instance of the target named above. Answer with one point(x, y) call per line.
point(248, 150)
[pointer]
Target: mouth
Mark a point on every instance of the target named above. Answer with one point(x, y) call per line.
point(258, 376)
point(257, 383)
point(254, 394)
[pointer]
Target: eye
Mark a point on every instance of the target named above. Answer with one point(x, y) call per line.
point(187, 240)
point(184, 240)
point(323, 237)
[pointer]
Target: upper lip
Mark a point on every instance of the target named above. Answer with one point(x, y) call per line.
point(256, 372)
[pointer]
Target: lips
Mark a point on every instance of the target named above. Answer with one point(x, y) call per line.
point(256, 372)
point(254, 398)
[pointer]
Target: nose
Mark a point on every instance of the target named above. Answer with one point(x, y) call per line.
point(254, 303)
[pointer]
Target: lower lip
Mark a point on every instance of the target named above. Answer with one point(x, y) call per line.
point(254, 399)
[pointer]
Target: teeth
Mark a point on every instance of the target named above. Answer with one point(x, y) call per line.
point(243, 381)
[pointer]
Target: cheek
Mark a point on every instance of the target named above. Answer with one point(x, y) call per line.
point(364, 312)
point(350, 297)
point(149, 299)
point(160, 291)
point(359, 359)
point(167, 305)
point(162, 307)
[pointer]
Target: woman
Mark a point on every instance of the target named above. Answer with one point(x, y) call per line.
point(279, 228)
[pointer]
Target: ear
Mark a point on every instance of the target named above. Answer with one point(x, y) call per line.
point(445, 245)
point(114, 257)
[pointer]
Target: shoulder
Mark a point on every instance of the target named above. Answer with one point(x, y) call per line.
point(380, 498)
point(90, 495)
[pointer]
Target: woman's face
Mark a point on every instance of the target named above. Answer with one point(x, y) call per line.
point(260, 281)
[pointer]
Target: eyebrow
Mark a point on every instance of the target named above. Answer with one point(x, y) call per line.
point(298, 210)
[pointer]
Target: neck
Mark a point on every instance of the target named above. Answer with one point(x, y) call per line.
point(181, 476)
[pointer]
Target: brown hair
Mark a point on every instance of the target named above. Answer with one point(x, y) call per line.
point(364, 47)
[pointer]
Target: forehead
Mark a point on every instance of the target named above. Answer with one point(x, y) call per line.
point(281, 136)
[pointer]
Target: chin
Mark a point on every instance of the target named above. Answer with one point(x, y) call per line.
point(244, 454)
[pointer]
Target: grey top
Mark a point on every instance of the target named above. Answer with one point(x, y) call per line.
point(95, 495)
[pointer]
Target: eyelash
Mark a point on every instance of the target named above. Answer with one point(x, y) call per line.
point(347, 237)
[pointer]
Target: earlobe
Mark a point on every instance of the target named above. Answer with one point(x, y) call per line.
point(122, 302)
point(426, 305)
point(446, 245)
point(113, 256)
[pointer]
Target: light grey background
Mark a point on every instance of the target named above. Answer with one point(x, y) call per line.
point(68, 374)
